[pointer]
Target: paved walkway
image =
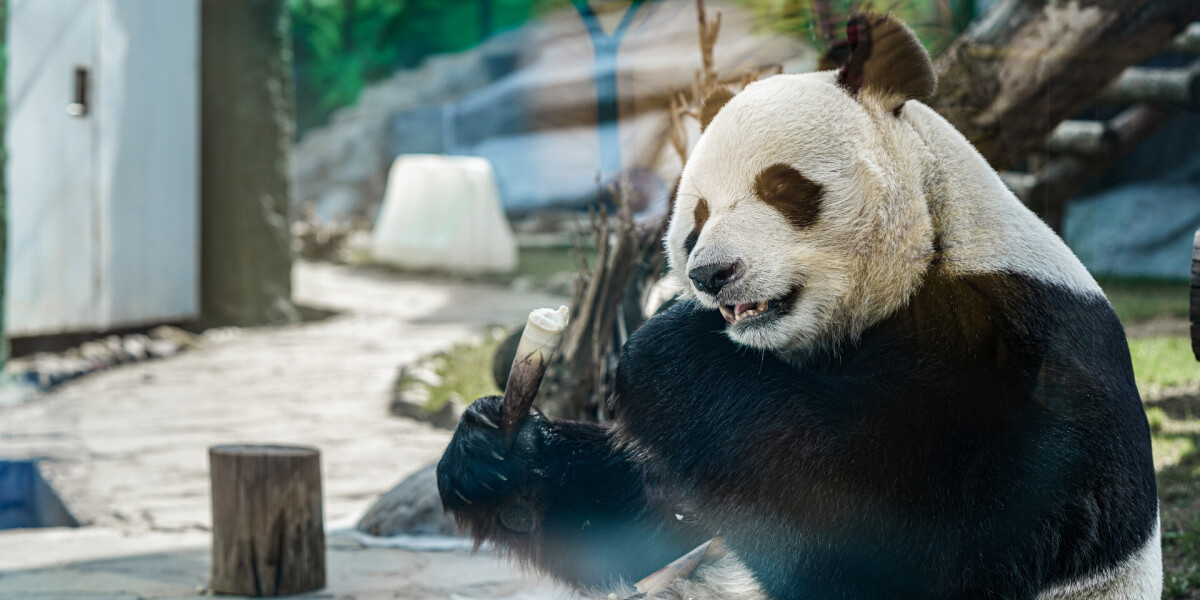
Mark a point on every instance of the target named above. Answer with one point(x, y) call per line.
point(127, 449)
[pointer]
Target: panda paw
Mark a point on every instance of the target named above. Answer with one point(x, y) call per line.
point(477, 469)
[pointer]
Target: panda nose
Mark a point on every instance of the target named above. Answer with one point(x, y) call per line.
point(711, 278)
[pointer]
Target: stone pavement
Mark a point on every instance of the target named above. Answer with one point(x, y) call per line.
point(127, 448)
point(106, 564)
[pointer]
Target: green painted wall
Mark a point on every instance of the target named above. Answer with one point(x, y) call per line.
point(342, 45)
point(246, 129)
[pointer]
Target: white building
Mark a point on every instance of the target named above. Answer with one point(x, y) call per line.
point(103, 141)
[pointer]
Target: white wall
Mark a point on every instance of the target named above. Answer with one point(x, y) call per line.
point(103, 209)
point(147, 98)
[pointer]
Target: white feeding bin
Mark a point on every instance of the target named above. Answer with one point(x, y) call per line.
point(443, 212)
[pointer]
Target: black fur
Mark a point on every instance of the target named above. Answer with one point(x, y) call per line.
point(689, 243)
point(599, 518)
point(987, 441)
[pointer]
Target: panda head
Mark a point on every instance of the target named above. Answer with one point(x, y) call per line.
point(801, 214)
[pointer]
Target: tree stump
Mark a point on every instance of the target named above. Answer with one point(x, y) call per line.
point(268, 534)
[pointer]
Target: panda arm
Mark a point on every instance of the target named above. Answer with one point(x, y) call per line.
point(565, 500)
point(602, 519)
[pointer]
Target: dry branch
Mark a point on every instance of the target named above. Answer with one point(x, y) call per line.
point(708, 32)
point(1046, 190)
point(608, 300)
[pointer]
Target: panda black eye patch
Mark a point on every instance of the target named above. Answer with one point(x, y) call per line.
point(795, 196)
point(699, 216)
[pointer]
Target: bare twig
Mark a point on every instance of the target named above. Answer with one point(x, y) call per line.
point(628, 260)
point(708, 32)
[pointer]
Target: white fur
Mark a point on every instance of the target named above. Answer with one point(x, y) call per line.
point(983, 226)
point(1139, 577)
point(892, 185)
point(725, 579)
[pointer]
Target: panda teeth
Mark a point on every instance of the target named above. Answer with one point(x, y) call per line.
point(728, 314)
point(738, 312)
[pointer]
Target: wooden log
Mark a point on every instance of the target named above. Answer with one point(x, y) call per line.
point(1047, 190)
point(1080, 137)
point(1178, 87)
point(1194, 311)
point(1029, 64)
point(1187, 43)
point(268, 534)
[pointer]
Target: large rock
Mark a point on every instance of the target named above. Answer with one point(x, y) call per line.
point(527, 101)
point(573, 152)
point(545, 112)
point(1143, 223)
point(413, 507)
point(658, 56)
point(342, 167)
point(1136, 230)
point(443, 212)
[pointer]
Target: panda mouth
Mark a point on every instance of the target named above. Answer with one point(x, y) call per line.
point(736, 313)
point(763, 310)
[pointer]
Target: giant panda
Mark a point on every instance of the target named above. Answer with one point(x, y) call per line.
point(886, 378)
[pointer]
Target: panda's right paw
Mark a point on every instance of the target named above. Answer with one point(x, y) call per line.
point(477, 469)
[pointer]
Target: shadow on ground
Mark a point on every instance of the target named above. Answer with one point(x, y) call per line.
point(354, 572)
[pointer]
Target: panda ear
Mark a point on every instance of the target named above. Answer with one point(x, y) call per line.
point(887, 61)
point(712, 105)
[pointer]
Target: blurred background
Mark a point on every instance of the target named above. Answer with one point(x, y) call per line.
point(318, 221)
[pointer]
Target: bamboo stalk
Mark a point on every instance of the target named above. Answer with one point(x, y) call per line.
point(543, 332)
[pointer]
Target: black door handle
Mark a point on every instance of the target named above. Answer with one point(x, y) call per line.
point(79, 106)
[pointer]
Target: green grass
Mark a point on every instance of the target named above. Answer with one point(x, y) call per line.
point(1179, 501)
point(1160, 362)
point(541, 263)
point(466, 369)
point(466, 374)
point(1142, 299)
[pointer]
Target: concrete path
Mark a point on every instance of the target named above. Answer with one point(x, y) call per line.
point(127, 449)
point(106, 564)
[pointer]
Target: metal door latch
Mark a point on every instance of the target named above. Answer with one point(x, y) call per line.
point(79, 107)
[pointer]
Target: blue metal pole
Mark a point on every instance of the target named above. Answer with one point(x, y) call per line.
point(604, 73)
